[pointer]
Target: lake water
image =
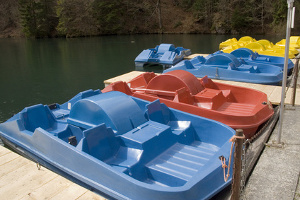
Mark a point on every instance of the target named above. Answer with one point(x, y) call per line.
point(54, 70)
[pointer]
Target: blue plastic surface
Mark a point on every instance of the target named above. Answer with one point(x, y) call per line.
point(164, 54)
point(126, 147)
point(248, 57)
point(227, 67)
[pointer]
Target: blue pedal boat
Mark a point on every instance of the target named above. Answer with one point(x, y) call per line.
point(125, 147)
point(163, 54)
point(225, 66)
point(248, 57)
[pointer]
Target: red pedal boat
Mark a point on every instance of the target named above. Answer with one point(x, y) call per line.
point(238, 107)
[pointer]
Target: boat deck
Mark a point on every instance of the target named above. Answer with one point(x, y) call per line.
point(21, 179)
point(273, 92)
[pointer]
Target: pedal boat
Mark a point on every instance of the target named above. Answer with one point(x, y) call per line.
point(124, 147)
point(238, 107)
point(163, 54)
point(248, 57)
point(225, 66)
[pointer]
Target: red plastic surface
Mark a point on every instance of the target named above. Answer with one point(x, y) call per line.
point(237, 107)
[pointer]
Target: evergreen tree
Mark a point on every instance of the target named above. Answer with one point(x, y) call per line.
point(280, 11)
point(38, 17)
point(76, 18)
point(109, 15)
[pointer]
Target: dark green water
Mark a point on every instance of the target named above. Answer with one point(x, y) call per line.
point(54, 70)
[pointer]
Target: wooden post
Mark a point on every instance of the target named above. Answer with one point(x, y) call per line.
point(296, 68)
point(237, 167)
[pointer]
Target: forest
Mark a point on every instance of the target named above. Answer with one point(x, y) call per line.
point(79, 18)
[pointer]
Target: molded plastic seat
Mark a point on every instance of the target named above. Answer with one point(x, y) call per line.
point(100, 142)
point(38, 116)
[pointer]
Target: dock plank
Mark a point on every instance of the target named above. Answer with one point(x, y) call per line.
point(20, 179)
point(7, 158)
point(23, 180)
point(49, 189)
point(4, 151)
point(90, 195)
point(273, 92)
point(73, 191)
point(124, 77)
point(194, 55)
point(11, 166)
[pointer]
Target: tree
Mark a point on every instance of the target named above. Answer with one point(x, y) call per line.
point(76, 18)
point(38, 18)
point(108, 15)
point(204, 11)
point(280, 11)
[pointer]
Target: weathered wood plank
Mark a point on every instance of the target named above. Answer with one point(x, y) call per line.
point(23, 180)
point(7, 158)
point(4, 151)
point(194, 55)
point(49, 189)
point(74, 191)
point(13, 165)
point(90, 195)
point(124, 77)
point(20, 179)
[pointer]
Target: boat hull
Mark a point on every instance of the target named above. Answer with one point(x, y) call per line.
point(239, 108)
point(163, 54)
point(247, 56)
point(122, 175)
point(227, 67)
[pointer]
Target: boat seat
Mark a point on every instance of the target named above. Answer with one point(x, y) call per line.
point(210, 98)
point(179, 50)
point(249, 68)
point(231, 66)
point(158, 112)
point(70, 131)
point(188, 64)
point(208, 83)
point(38, 116)
point(183, 96)
point(198, 60)
point(142, 80)
point(100, 142)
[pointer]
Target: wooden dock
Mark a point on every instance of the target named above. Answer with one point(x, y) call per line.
point(21, 179)
point(273, 92)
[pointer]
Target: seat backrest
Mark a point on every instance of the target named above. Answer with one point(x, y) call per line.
point(100, 142)
point(37, 116)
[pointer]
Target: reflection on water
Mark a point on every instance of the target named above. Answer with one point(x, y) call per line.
point(54, 70)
